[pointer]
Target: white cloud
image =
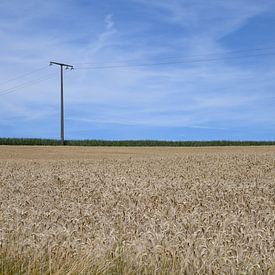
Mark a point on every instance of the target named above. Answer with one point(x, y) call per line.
point(109, 22)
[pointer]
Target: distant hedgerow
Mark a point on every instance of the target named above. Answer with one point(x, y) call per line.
point(93, 142)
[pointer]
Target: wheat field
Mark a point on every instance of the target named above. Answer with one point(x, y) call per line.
point(160, 210)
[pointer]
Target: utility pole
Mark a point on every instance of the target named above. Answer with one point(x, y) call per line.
point(62, 65)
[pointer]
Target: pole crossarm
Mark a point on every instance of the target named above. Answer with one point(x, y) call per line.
point(62, 65)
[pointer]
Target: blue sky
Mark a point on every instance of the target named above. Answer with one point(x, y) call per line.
point(232, 97)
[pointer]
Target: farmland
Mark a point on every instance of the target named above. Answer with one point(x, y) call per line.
point(137, 210)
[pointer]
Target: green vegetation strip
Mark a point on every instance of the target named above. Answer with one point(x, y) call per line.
point(54, 142)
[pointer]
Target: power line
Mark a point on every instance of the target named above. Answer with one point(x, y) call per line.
point(191, 56)
point(171, 63)
point(23, 75)
point(27, 84)
point(158, 63)
point(23, 84)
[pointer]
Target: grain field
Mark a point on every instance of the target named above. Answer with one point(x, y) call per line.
point(77, 210)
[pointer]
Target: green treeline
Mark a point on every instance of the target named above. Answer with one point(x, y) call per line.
point(54, 142)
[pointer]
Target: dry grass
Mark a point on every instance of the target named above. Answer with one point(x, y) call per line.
point(137, 211)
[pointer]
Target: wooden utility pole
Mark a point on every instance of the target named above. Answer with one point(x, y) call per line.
point(62, 65)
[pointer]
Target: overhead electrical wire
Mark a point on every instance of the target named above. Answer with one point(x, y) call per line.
point(25, 84)
point(182, 57)
point(24, 75)
point(22, 84)
point(172, 62)
point(180, 60)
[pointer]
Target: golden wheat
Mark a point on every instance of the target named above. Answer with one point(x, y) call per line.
point(137, 211)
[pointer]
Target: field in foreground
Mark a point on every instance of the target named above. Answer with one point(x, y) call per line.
point(137, 210)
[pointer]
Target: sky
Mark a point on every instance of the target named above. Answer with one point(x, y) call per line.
point(144, 69)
